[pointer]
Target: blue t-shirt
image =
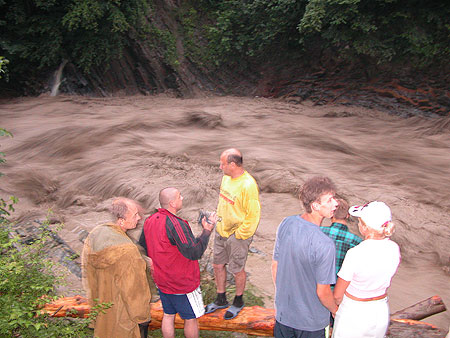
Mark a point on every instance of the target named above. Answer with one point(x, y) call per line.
point(306, 257)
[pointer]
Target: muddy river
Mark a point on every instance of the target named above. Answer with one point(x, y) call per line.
point(73, 154)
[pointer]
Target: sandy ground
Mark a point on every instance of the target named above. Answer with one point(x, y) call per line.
point(73, 154)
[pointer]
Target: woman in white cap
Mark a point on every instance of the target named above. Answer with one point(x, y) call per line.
point(366, 274)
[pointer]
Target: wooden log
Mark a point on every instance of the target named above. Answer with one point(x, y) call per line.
point(252, 320)
point(408, 328)
point(259, 321)
point(421, 310)
point(76, 306)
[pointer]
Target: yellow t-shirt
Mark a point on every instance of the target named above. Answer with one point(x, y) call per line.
point(238, 206)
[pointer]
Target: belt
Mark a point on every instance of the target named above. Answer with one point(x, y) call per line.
point(365, 299)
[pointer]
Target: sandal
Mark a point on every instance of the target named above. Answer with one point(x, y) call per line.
point(213, 307)
point(233, 311)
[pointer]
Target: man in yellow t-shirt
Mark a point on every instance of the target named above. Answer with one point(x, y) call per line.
point(240, 210)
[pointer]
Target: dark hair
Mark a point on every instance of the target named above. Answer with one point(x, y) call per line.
point(237, 159)
point(341, 211)
point(313, 189)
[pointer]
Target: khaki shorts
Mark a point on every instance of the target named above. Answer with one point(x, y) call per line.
point(231, 251)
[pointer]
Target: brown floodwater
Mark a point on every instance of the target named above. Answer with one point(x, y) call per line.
point(73, 154)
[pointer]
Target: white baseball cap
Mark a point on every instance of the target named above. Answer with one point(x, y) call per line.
point(374, 214)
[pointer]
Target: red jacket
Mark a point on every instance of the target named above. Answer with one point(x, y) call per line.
point(175, 252)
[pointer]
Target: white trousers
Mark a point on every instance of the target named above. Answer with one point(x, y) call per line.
point(355, 319)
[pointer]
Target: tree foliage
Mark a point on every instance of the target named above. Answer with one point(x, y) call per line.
point(3, 69)
point(382, 30)
point(256, 29)
point(85, 32)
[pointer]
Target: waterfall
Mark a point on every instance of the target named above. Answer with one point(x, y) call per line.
point(57, 81)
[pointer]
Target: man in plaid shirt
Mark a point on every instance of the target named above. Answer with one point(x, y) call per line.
point(343, 239)
point(339, 233)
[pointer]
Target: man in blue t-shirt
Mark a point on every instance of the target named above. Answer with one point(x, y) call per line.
point(303, 265)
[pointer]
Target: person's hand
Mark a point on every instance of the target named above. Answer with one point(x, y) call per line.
point(210, 222)
point(334, 313)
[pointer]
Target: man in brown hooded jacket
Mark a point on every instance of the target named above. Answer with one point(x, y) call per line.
point(114, 272)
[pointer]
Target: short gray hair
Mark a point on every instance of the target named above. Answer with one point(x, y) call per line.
point(119, 208)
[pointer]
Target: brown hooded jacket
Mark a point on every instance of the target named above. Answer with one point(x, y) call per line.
point(115, 272)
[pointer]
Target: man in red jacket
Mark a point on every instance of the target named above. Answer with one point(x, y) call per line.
point(175, 252)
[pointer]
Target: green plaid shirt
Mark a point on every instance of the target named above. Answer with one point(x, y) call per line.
point(343, 239)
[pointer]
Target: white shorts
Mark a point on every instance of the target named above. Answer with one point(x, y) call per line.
point(356, 319)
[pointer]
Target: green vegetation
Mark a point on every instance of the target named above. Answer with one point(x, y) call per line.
point(166, 41)
point(26, 275)
point(92, 32)
point(254, 31)
point(3, 70)
point(42, 33)
point(38, 35)
point(380, 31)
point(192, 34)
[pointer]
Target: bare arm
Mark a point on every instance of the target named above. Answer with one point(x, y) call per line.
point(274, 271)
point(339, 290)
point(326, 297)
